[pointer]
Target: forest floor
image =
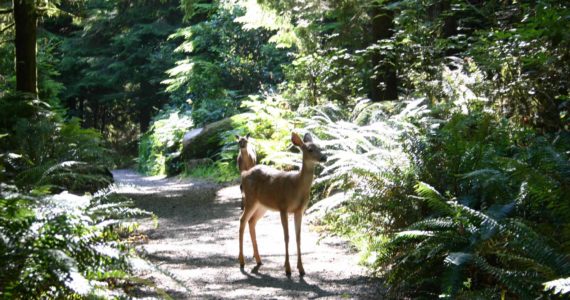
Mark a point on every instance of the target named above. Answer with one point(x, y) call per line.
point(193, 250)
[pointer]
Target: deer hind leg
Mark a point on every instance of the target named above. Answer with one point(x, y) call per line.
point(285, 224)
point(252, 222)
point(298, 218)
point(248, 212)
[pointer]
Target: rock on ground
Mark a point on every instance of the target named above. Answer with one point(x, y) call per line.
point(193, 251)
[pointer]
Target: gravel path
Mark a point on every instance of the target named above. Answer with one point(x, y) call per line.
point(195, 246)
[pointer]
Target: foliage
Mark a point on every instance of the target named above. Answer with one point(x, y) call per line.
point(220, 171)
point(112, 62)
point(498, 227)
point(62, 246)
point(528, 56)
point(222, 64)
point(331, 74)
point(49, 151)
point(55, 244)
point(269, 124)
point(478, 249)
point(163, 140)
point(558, 286)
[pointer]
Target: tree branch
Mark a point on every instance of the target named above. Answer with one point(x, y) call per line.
point(6, 28)
point(6, 41)
point(6, 11)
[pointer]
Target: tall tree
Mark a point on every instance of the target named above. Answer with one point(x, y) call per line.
point(384, 86)
point(25, 18)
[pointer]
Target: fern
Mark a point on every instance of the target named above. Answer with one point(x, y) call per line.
point(558, 287)
point(62, 245)
point(463, 239)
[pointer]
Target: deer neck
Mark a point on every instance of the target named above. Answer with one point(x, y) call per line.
point(306, 173)
point(243, 151)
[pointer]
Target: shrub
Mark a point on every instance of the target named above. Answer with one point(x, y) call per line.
point(498, 227)
point(48, 151)
point(62, 246)
point(163, 139)
point(461, 252)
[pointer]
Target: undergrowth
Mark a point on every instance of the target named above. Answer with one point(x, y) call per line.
point(219, 171)
point(55, 244)
point(451, 200)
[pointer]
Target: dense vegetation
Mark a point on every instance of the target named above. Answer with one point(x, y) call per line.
point(446, 123)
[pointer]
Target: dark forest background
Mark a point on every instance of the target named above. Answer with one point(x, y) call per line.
point(446, 123)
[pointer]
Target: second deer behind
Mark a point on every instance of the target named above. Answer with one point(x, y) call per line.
point(247, 157)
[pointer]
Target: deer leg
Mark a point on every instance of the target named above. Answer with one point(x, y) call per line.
point(252, 222)
point(242, 196)
point(298, 218)
point(285, 224)
point(247, 213)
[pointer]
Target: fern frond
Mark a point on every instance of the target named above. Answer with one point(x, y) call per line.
point(433, 198)
point(558, 287)
point(443, 223)
point(528, 241)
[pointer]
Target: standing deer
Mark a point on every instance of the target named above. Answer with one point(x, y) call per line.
point(246, 158)
point(287, 192)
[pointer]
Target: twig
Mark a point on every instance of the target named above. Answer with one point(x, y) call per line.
point(6, 28)
point(6, 11)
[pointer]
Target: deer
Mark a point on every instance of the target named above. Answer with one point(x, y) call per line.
point(247, 157)
point(265, 188)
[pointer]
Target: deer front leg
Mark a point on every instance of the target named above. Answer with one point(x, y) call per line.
point(247, 213)
point(298, 219)
point(252, 222)
point(285, 224)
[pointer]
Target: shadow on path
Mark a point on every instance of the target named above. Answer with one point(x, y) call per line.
point(194, 248)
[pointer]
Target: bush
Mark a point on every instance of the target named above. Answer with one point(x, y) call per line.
point(220, 171)
point(488, 218)
point(57, 246)
point(62, 246)
point(49, 151)
point(163, 139)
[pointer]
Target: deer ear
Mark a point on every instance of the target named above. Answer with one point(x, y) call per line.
point(308, 138)
point(296, 140)
point(237, 137)
point(247, 136)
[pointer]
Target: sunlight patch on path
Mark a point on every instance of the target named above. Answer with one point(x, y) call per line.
point(195, 247)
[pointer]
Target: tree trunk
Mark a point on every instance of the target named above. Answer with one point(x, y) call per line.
point(144, 118)
point(449, 26)
point(25, 18)
point(82, 110)
point(383, 86)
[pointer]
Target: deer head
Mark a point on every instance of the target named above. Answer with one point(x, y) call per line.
point(242, 140)
point(311, 152)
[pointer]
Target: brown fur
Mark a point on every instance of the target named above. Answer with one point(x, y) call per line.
point(287, 192)
point(247, 157)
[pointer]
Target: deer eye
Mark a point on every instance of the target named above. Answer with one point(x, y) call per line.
point(310, 150)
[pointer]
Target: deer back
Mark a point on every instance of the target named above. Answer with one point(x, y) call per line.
point(276, 190)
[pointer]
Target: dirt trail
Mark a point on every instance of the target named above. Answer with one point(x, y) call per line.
point(194, 248)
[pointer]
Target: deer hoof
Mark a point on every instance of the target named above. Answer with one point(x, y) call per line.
point(288, 273)
point(301, 273)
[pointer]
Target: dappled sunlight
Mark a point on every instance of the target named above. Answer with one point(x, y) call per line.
point(196, 244)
